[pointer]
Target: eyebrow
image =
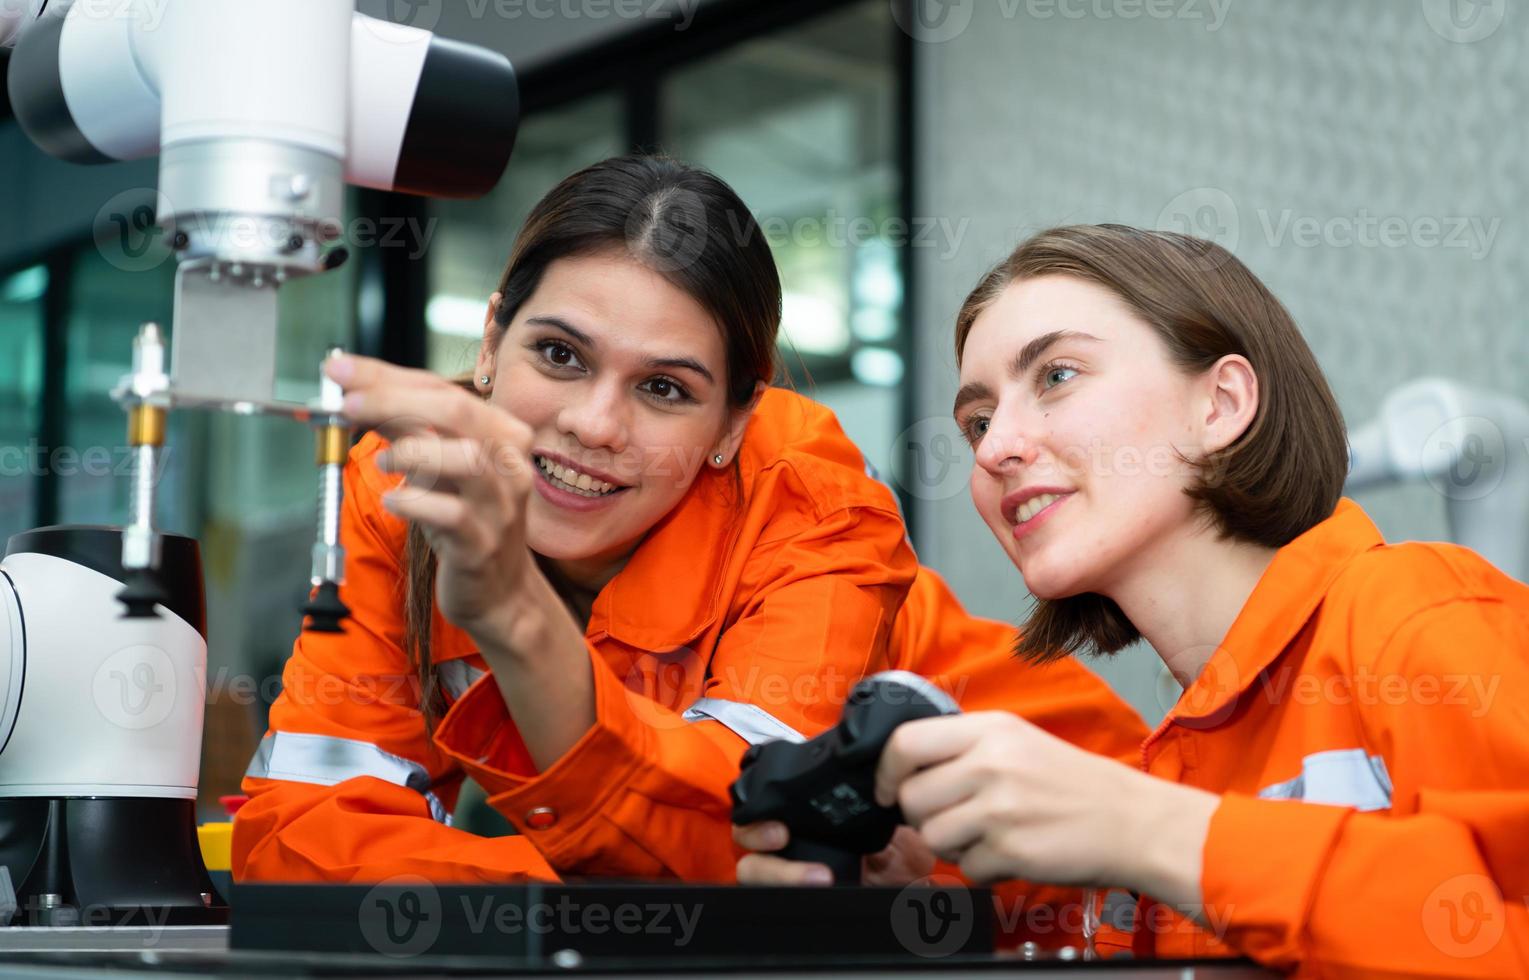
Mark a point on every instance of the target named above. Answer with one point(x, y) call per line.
point(1028, 355)
point(685, 363)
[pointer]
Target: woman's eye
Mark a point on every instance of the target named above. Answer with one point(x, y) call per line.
point(667, 391)
point(558, 354)
point(1056, 374)
point(975, 428)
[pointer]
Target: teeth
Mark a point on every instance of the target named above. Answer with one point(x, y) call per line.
point(1035, 505)
point(574, 481)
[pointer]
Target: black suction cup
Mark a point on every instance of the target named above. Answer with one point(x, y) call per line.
point(142, 592)
point(325, 610)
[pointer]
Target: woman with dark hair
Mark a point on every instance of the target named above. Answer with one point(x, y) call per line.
point(590, 576)
point(1342, 785)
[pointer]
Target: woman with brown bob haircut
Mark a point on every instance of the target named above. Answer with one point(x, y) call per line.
point(1344, 784)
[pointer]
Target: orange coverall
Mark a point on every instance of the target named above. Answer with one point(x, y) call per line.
point(1366, 721)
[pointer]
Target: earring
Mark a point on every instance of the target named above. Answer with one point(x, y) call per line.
point(717, 459)
point(485, 379)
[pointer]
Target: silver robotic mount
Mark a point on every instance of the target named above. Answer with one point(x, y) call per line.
point(261, 112)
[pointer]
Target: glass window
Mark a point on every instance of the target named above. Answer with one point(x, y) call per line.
point(107, 304)
point(802, 123)
point(473, 238)
point(21, 352)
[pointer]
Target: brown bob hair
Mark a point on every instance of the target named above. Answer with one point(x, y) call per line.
point(1280, 478)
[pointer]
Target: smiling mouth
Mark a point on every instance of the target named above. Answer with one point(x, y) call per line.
point(1035, 505)
point(574, 482)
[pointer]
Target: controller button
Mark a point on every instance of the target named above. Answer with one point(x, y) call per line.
point(541, 818)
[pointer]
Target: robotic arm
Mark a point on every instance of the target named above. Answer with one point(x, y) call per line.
point(1472, 446)
point(261, 111)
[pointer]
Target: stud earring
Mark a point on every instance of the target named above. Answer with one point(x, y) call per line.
point(717, 459)
point(485, 379)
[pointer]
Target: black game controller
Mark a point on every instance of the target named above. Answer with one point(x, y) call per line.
point(824, 790)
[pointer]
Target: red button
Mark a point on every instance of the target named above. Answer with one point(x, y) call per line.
point(541, 818)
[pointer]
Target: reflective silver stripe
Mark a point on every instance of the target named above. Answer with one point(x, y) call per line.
point(326, 760)
point(457, 676)
point(750, 721)
point(1341, 777)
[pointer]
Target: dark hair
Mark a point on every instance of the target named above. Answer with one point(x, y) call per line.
point(681, 221)
point(1280, 478)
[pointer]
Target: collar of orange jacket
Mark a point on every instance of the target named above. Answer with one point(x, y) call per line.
point(670, 591)
point(1284, 600)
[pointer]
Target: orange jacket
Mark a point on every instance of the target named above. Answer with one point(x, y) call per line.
point(1366, 720)
point(730, 624)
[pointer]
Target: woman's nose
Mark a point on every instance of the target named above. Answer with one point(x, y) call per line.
point(598, 420)
point(1010, 441)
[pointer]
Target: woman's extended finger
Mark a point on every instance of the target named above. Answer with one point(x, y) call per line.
point(355, 372)
point(401, 411)
point(766, 869)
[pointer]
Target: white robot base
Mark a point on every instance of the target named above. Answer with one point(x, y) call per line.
point(100, 737)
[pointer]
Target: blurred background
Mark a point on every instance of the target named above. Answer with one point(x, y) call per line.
point(1362, 158)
